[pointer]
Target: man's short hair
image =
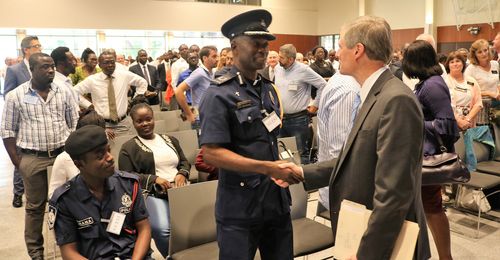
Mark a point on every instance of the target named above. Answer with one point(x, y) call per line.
point(289, 51)
point(107, 52)
point(374, 33)
point(26, 42)
point(59, 55)
point(205, 51)
point(35, 58)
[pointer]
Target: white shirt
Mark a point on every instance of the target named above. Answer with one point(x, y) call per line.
point(62, 171)
point(177, 68)
point(487, 80)
point(166, 159)
point(97, 86)
point(119, 66)
point(62, 80)
point(26, 62)
point(368, 84)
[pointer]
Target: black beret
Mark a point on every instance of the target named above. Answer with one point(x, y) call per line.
point(85, 139)
point(251, 23)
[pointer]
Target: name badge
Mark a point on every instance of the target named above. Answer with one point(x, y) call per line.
point(293, 86)
point(116, 223)
point(271, 121)
point(30, 99)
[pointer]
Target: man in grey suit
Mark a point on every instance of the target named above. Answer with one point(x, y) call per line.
point(15, 76)
point(380, 164)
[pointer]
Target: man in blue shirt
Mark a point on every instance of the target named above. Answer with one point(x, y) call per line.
point(294, 81)
point(240, 118)
point(193, 61)
point(197, 83)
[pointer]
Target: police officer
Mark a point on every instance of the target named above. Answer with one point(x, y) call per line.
point(100, 213)
point(240, 120)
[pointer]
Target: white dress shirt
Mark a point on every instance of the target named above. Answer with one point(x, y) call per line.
point(97, 86)
point(62, 171)
point(177, 68)
point(62, 80)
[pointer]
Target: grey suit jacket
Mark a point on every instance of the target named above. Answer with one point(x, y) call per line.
point(15, 76)
point(380, 167)
point(265, 73)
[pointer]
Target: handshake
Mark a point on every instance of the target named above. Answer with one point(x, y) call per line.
point(284, 173)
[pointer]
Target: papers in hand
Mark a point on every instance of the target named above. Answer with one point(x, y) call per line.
point(353, 221)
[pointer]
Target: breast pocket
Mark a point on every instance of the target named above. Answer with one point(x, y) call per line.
point(90, 231)
point(248, 123)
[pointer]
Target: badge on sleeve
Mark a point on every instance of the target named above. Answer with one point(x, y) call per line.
point(51, 218)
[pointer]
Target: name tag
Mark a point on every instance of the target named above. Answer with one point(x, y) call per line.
point(271, 121)
point(293, 86)
point(116, 223)
point(30, 99)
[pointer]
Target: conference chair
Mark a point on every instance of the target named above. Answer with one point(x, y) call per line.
point(496, 135)
point(309, 236)
point(188, 139)
point(192, 222)
point(291, 144)
point(171, 119)
point(116, 146)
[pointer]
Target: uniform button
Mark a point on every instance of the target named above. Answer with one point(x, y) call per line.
point(242, 184)
point(249, 118)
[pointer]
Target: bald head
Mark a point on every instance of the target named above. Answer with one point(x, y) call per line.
point(428, 38)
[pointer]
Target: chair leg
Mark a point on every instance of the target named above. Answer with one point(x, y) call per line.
point(478, 214)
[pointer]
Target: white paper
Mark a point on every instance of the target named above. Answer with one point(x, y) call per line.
point(352, 223)
point(271, 121)
point(116, 223)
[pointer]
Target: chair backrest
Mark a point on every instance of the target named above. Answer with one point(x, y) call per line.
point(170, 117)
point(299, 201)
point(116, 146)
point(192, 215)
point(163, 126)
point(496, 135)
point(189, 143)
point(482, 151)
point(291, 144)
point(155, 108)
point(460, 147)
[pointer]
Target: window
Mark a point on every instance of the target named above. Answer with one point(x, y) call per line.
point(76, 40)
point(199, 38)
point(330, 41)
point(129, 42)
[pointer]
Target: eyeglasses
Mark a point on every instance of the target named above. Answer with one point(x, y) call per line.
point(38, 46)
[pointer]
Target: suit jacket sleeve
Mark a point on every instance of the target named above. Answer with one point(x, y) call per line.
point(318, 175)
point(397, 175)
point(10, 81)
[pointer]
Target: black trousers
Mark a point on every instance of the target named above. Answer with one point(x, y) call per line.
point(273, 237)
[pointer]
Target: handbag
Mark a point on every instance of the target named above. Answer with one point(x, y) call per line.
point(443, 168)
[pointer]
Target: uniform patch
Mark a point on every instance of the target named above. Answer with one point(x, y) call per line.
point(84, 223)
point(51, 218)
point(126, 200)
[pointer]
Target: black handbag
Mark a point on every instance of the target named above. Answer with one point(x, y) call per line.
point(444, 168)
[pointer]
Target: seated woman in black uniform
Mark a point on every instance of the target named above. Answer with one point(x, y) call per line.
point(159, 161)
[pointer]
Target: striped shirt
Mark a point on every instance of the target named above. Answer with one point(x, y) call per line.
point(37, 124)
point(335, 120)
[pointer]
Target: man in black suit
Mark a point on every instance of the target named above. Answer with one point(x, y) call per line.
point(272, 61)
point(149, 73)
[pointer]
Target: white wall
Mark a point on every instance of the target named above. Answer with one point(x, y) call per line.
point(293, 16)
point(399, 14)
point(332, 14)
point(445, 9)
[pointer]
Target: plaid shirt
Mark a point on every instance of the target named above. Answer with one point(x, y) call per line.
point(37, 124)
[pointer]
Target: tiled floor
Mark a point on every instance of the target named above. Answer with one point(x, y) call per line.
point(12, 226)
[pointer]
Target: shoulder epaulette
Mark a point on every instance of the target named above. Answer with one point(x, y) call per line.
point(128, 175)
point(224, 78)
point(59, 192)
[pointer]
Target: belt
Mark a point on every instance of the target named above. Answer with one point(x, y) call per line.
point(294, 115)
point(46, 154)
point(115, 122)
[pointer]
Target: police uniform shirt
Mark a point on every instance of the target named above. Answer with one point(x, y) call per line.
point(81, 218)
point(231, 113)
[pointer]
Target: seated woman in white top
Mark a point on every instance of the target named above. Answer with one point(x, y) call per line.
point(465, 92)
point(484, 69)
point(160, 162)
point(64, 169)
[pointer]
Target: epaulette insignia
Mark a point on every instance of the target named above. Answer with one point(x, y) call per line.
point(223, 79)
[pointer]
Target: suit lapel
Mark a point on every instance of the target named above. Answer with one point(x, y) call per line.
point(25, 71)
point(360, 118)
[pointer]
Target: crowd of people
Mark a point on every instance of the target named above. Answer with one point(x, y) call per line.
point(379, 112)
